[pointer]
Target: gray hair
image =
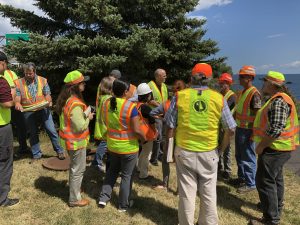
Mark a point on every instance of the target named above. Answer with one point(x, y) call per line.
point(29, 66)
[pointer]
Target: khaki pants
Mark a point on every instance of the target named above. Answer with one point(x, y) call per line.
point(143, 161)
point(77, 168)
point(197, 171)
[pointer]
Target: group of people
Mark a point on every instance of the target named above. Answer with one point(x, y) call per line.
point(133, 126)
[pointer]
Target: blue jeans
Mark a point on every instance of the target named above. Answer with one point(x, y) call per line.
point(245, 156)
point(32, 121)
point(100, 153)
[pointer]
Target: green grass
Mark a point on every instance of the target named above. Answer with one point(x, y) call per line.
point(44, 195)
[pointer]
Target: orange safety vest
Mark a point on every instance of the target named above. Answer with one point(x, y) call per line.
point(71, 140)
point(146, 128)
point(244, 115)
point(26, 99)
point(289, 137)
point(131, 91)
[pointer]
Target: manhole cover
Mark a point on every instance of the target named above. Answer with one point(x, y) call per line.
point(54, 163)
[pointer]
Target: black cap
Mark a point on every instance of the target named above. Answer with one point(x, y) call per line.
point(3, 57)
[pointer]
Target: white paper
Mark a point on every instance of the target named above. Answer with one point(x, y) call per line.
point(87, 111)
point(170, 150)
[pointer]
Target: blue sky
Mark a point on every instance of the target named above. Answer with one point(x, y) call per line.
point(263, 33)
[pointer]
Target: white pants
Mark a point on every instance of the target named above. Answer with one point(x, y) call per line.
point(143, 161)
point(197, 171)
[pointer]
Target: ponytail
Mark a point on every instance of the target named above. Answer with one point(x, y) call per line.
point(113, 103)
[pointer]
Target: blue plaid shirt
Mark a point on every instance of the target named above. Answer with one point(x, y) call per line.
point(227, 119)
point(33, 88)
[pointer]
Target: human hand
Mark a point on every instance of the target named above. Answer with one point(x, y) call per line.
point(18, 107)
point(259, 150)
point(91, 116)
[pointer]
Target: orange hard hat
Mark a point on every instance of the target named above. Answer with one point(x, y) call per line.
point(226, 77)
point(247, 70)
point(202, 68)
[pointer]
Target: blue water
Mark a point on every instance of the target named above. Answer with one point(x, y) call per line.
point(294, 87)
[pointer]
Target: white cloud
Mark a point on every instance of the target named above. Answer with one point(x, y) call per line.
point(27, 5)
point(265, 67)
point(205, 4)
point(295, 64)
point(276, 35)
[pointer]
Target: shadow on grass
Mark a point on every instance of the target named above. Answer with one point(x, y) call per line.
point(53, 187)
point(229, 201)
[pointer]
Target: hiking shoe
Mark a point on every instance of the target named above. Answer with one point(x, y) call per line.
point(131, 202)
point(261, 221)
point(245, 189)
point(81, 203)
point(61, 156)
point(10, 202)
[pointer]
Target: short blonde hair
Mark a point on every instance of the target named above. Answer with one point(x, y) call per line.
point(105, 85)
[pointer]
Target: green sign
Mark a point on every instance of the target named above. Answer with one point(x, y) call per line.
point(20, 36)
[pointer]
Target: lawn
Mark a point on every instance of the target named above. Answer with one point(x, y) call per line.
point(44, 195)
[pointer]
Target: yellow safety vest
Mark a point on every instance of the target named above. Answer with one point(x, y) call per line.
point(10, 76)
point(289, 137)
point(227, 96)
point(69, 139)
point(26, 99)
point(121, 138)
point(100, 127)
point(5, 115)
point(159, 95)
point(244, 115)
point(198, 119)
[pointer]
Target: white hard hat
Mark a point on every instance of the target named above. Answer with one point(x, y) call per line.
point(143, 89)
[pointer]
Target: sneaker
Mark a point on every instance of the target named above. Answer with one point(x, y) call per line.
point(261, 221)
point(101, 204)
point(245, 189)
point(131, 202)
point(154, 163)
point(10, 202)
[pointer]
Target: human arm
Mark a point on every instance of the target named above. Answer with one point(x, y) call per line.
point(134, 122)
point(78, 119)
point(6, 99)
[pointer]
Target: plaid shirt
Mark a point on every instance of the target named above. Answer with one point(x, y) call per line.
point(278, 113)
point(226, 118)
point(32, 88)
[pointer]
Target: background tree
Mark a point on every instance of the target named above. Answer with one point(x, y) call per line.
point(136, 36)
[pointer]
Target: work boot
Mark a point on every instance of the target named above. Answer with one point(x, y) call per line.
point(81, 203)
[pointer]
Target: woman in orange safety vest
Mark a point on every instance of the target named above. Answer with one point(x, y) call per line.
point(74, 118)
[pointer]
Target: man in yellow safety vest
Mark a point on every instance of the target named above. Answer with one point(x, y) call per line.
point(276, 132)
point(197, 113)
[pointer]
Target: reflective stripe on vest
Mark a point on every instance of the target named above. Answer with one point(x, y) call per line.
point(121, 138)
point(198, 119)
point(227, 96)
point(100, 127)
point(69, 139)
point(10, 76)
point(289, 137)
point(146, 128)
point(5, 115)
point(159, 95)
point(244, 115)
point(26, 99)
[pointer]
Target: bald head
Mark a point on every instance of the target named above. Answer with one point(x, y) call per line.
point(160, 76)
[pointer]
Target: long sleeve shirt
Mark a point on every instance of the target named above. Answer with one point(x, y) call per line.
point(78, 119)
point(278, 113)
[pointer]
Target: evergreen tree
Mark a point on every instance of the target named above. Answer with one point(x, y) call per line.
point(136, 36)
